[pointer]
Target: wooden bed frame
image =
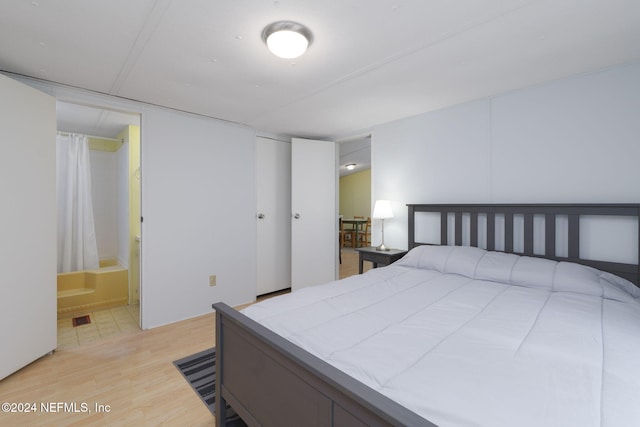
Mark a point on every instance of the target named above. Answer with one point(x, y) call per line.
point(269, 381)
point(572, 212)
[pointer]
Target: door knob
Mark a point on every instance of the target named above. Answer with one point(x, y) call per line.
point(296, 216)
point(260, 216)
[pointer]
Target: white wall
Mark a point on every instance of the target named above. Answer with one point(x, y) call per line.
point(571, 140)
point(198, 205)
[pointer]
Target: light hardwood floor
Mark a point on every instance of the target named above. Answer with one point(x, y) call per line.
point(349, 266)
point(132, 374)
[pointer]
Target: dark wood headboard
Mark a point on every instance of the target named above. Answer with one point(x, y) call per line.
point(572, 212)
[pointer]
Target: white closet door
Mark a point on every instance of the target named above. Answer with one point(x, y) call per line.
point(28, 298)
point(273, 172)
point(314, 223)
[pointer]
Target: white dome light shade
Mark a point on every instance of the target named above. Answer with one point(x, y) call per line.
point(287, 44)
point(286, 39)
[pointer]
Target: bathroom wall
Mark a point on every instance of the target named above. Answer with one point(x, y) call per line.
point(122, 199)
point(131, 176)
point(116, 195)
point(104, 195)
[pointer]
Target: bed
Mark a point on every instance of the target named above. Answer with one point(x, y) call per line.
point(501, 322)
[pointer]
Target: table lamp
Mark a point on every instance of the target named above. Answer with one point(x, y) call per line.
point(382, 210)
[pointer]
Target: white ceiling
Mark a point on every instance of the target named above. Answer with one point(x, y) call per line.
point(356, 151)
point(372, 61)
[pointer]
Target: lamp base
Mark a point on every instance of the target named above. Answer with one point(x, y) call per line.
point(382, 247)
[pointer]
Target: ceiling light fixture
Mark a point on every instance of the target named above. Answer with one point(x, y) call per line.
point(287, 39)
point(351, 166)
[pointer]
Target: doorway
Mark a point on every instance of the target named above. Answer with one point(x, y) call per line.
point(355, 187)
point(355, 199)
point(112, 291)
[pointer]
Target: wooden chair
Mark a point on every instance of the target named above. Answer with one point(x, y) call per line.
point(363, 237)
point(346, 236)
point(353, 227)
point(357, 228)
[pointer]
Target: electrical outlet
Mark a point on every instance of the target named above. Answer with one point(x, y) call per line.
point(212, 280)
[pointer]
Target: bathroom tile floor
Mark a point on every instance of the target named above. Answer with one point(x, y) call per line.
point(104, 324)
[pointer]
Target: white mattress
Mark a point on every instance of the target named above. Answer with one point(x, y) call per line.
point(466, 337)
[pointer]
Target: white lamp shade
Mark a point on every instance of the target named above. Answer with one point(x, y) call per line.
point(382, 209)
point(287, 44)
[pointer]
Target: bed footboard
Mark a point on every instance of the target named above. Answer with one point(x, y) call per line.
point(271, 382)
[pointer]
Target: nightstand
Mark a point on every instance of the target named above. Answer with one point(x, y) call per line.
point(378, 257)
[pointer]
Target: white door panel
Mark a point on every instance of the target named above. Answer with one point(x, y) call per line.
point(273, 172)
point(314, 212)
point(28, 294)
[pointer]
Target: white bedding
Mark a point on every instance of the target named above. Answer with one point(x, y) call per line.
point(466, 337)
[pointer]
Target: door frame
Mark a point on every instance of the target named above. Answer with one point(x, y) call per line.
point(132, 242)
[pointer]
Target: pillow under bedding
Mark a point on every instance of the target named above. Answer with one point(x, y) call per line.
point(556, 276)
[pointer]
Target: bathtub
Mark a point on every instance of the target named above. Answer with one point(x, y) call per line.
point(84, 291)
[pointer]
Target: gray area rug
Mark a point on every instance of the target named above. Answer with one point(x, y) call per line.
point(200, 372)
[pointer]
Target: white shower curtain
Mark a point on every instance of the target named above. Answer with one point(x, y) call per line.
point(77, 245)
